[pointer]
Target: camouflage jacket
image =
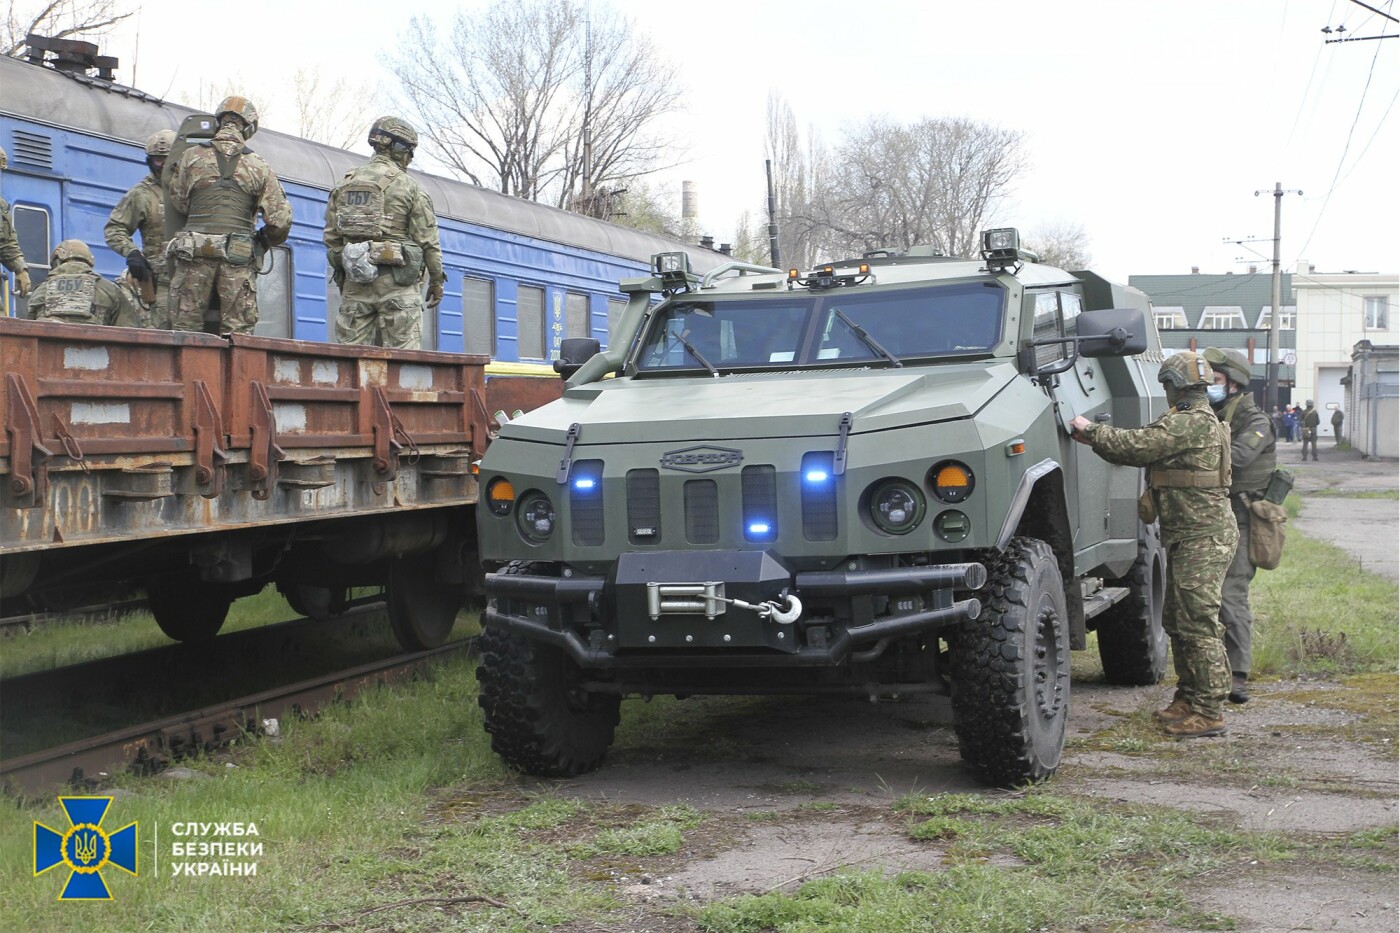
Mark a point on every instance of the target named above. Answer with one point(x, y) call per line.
point(107, 303)
point(1311, 419)
point(1187, 437)
point(9, 242)
point(1252, 441)
point(408, 214)
point(198, 168)
point(142, 208)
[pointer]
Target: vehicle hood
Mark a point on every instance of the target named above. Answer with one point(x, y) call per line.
point(735, 407)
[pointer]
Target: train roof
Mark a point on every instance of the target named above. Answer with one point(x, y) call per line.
point(89, 105)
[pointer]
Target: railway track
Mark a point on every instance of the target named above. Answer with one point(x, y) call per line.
point(149, 747)
point(109, 612)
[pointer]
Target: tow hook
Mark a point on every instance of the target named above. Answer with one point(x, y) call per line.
point(771, 610)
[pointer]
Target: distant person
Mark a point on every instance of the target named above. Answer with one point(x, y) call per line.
point(1277, 420)
point(1310, 420)
point(1337, 418)
point(1252, 462)
point(10, 253)
point(1187, 456)
point(143, 209)
point(221, 186)
point(1290, 423)
point(75, 294)
point(381, 241)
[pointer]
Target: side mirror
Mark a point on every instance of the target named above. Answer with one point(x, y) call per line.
point(1112, 332)
point(573, 353)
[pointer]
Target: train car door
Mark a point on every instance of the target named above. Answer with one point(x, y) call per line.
point(33, 207)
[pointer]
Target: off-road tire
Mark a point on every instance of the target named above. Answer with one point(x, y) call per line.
point(187, 608)
point(1132, 642)
point(540, 720)
point(1010, 669)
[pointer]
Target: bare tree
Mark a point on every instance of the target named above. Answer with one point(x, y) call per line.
point(59, 19)
point(503, 96)
point(1061, 244)
point(332, 112)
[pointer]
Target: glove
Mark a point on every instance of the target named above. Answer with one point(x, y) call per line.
point(139, 266)
point(434, 294)
point(260, 238)
point(22, 283)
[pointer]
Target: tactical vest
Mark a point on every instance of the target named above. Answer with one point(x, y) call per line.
point(71, 297)
point(1256, 476)
point(359, 210)
point(223, 207)
point(1201, 479)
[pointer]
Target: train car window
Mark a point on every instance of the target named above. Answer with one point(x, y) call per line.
point(615, 308)
point(275, 295)
point(529, 308)
point(35, 242)
point(577, 321)
point(478, 316)
point(429, 338)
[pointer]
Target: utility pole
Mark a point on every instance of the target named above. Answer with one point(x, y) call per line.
point(1271, 384)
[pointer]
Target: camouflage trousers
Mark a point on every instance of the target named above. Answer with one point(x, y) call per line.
point(157, 313)
point(1191, 617)
point(193, 286)
point(1235, 614)
point(380, 314)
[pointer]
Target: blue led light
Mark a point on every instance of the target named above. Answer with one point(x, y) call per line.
point(759, 528)
point(584, 482)
point(817, 476)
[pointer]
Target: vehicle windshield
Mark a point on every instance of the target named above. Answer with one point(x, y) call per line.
point(843, 326)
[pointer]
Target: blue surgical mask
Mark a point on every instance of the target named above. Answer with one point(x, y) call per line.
point(1216, 394)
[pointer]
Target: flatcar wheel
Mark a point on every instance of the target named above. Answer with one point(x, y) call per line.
point(314, 602)
point(422, 610)
point(187, 608)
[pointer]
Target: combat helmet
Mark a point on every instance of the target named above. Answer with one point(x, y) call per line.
point(158, 144)
point(389, 130)
point(72, 249)
point(242, 108)
point(1185, 369)
point(1230, 362)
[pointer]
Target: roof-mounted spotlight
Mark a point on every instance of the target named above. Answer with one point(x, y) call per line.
point(673, 269)
point(1001, 248)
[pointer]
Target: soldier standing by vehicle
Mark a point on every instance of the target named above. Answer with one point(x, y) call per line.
point(143, 208)
point(1252, 462)
point(1187, 453)
point(1310, 420)
point(10, 253)
point(1337, 417)
point(77, 295)
point(381, 237)
point(221, 186)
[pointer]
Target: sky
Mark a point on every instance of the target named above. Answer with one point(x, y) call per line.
point(1152, 126)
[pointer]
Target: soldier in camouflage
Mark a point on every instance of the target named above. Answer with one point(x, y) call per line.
point(75, 294)
point(381, 239)
point(1252, 462)
point(10, 253)
point(1187, 454)
point(221, 186)
point(143, 209)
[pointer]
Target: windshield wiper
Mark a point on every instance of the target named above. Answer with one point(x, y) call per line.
point(865, 338)
point(690, 347)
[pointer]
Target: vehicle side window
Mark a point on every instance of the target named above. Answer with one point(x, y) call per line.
point(1048, 326)
point(1070, 306)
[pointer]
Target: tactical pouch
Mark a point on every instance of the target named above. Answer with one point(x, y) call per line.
point(358, 265)
point(239, 249)
point(386, 252)
point(181, 246)
point(1280, 484)
point(412, 269)
point(208, 245)
point(1147, 506)
point(1266, 533)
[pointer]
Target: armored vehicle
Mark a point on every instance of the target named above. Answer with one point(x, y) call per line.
point(857, 480)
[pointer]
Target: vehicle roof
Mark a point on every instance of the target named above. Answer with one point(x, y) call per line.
point(900, 271)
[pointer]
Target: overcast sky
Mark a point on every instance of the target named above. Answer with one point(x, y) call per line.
point(1151, 125)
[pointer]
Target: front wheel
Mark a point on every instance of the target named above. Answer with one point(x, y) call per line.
point(1010, 670)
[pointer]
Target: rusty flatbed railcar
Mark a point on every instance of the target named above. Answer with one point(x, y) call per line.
point(203, 468)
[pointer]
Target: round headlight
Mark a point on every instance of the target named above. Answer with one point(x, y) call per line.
point(896, 506)
point(500, 494)
point(951, 481)
point(535, 516)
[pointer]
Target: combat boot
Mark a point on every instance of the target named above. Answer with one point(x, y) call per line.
point(1175, 711)
point(1195, 726)
point(1239, 687)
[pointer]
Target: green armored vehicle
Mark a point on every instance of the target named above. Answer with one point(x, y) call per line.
point(857, 480)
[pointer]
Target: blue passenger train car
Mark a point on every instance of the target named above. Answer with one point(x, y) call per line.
point(521, 276)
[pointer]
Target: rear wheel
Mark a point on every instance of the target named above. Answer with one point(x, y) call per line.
point(540, 719)
point(1010, 669)
point(1132, 642)
point(422, 610)
point(187, 608)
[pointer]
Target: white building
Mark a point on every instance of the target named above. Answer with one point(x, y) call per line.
point(1337, 310)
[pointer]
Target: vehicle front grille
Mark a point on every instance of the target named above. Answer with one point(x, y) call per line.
point(586, 503)
point(643, 506)
point(702, 511)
